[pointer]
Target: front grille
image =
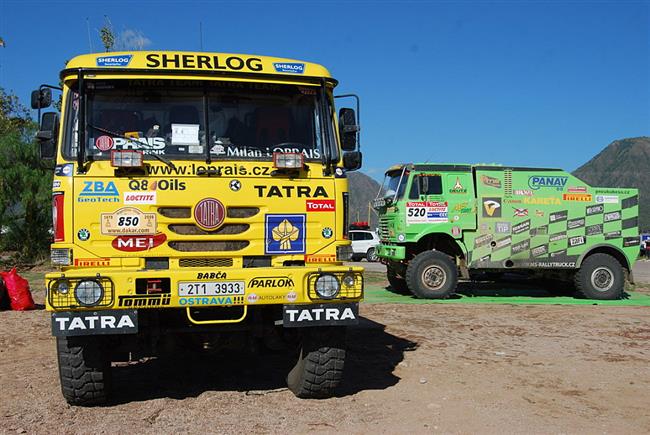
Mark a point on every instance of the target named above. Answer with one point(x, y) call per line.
point(205, 262)
point(242, 212)
point(383, 228)
point(68, 300)
point(193, 230)
point(175, 212)
point(207, 246)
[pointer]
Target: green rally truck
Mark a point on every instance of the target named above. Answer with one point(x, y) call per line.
point(441, 221)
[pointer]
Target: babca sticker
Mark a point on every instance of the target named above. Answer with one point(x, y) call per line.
point(320, 205)
point(426, 212)
point(320, 315)
point(284, 233)
point(70, 323)
point(99, 191)
point(128, 221)
point(491, 207)
point(119, 60)
point(289, 67)
point(138, 243)
point(537, 182)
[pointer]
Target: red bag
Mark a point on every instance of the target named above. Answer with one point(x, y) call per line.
point(18, 290)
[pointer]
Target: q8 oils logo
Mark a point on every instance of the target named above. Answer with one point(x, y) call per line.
point(284, 234)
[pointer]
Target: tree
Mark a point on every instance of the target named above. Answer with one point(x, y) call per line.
point(25, 186)
point(107, 35)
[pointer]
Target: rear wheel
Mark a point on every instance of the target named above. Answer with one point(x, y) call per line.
point(432, 275)
point(320, 363)
point(371, 255)
point(601, 277)
point(84, 370)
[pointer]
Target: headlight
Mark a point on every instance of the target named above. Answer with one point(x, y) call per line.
point(62, 287)
point(327, 286)
point(88, 292)
point(61, 256)
point(401, 237)
point(348, 280)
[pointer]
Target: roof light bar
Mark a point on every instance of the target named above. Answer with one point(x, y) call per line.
point(127, 159)
point(288, 160)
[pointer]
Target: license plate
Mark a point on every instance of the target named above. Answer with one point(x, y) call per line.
point(211, 288)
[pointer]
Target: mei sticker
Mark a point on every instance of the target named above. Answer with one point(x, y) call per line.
point(128, 221)
point(185, 134)
point(284, 234)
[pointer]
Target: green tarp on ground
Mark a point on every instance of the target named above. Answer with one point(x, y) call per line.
point(375, 294)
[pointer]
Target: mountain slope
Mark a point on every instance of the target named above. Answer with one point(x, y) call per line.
point(623, 163)
point(363, 189)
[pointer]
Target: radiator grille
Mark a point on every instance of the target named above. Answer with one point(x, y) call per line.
point(205, 262)
point(193, 230)
point(242, 212)
point(208, 246)
point(175, 212)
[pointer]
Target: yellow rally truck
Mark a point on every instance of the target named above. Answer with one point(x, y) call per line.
point(198, 199)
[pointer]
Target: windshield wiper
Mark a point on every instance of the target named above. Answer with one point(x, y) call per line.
point(131, 139)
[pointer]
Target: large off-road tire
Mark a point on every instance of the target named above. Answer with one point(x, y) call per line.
point(432, 275)
point(84, 370)
point(371, 255)
point(320, 363)
point(396, 282)
point(601, 277)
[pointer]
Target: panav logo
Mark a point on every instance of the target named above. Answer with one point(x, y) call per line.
point(98, 191)
point(289, 67)
point(536, 182)
point(284, 234)
point(491, 207)
point(121, 60)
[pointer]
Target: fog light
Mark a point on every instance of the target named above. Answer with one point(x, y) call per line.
point(348, 280)
point(62, 287)
point(327, 286)
point(88, 292)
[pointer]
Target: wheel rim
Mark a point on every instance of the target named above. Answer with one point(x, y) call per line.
point(602, 279)
point(372, 256)
point(434, 277)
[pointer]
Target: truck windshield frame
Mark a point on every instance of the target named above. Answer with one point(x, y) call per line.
point(394, 185)
point(247, 121)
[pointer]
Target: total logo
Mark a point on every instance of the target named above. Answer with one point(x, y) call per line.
point(138, 243)
point(321, 205)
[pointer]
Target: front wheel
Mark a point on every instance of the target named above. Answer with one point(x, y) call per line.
point(84, 370)
point(371, 255)
point(320, 363)
point(601, 277)
point(432, 275)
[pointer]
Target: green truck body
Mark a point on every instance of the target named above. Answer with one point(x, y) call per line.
point(498, 218)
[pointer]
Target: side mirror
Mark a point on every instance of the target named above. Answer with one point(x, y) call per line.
point(348, 129)
point(41, 98)
point(352, 160)
point(47, 135)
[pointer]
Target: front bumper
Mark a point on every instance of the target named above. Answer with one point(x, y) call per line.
point(391, 252)
point(123, 288)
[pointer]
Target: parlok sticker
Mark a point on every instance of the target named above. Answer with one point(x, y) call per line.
point(128, 221)
point(426, 212)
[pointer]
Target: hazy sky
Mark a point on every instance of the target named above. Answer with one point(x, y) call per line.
point(544, 83)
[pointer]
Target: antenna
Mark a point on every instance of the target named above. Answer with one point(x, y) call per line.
point(201, 35)
point(90, 41)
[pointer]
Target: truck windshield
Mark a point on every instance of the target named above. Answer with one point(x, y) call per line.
point(395, 184)
point(167, 118)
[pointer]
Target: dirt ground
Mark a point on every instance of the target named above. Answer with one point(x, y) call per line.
point(410, 368)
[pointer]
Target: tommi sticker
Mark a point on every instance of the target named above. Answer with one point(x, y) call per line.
point(492, 207)
point(128, 221)
point(284, 234)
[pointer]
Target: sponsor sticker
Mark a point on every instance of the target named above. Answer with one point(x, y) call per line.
point(539, 231)
point(455, 231)
point(83, 234)
point(594, 209)
point(583, 197)
point(520, 212)
point(119, 60)
point(212, 275)
point(138, 243)
point(612, 216)
point(210, 300)
point(70, 323)
point(320, 258)
point(502, 227)
point(521, 227)
point(592, 230)
point(551, 200)
point(613, 235)
point(483, 240)
point(99, 191)
point(128, 221)
point(491, 207)
point(577, 241)
point(630, 223)
point(607, 199)
point(292, 296)
point(578, 189)
point(575, 223)
point(537, 182)
point(558, 216)
point(92, 262)
point(284, 233)
point(270, 282)
point(458, 187)
point(630, 202)
point(144, 301)
point(502, 243)
point(234, 185)
point(140, 198)
point(520, 247)
point(56, 184)
point(540, 250)
point(327, 232)
point(557, 237)
point(491, 181)
point(320, 205)
point(104, 143)
point(631, 241)
point(320, 315)
point(289, 67)
point(522, 192)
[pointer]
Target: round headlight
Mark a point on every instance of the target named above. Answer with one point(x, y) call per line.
point(62, 287)
point(327, 286)
point(348, 280)
point(401, 237)
point(88, 292)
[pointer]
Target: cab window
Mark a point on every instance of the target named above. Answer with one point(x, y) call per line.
point(425, 185)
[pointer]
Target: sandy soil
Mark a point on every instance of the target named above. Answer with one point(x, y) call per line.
point(410, 368)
